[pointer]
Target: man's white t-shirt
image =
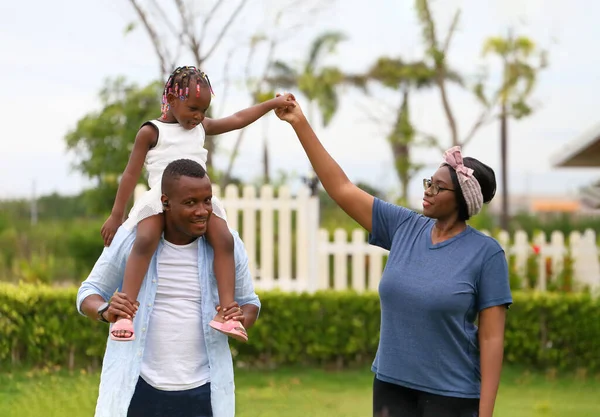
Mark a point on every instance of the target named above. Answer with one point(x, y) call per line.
point(175, 357)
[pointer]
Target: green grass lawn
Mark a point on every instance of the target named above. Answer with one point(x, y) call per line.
point(301, 393)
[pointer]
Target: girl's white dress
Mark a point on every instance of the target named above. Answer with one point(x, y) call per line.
point(174, 142)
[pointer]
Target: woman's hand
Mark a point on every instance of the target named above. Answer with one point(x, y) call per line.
point(291, 113)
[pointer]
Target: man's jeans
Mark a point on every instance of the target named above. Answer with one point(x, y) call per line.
point(147, 401)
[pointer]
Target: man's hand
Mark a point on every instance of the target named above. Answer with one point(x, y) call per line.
point(120, 305)
point(291, 112)
point(246, 314)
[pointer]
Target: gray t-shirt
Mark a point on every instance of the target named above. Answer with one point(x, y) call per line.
point(430, 297)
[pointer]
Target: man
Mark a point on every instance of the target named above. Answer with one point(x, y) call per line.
point(177, 366)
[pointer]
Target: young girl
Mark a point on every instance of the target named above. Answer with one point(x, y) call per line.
point(179, 133)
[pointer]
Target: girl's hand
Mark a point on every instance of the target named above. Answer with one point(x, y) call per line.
point(282, 100)
point(291, 112)
point(109, 229)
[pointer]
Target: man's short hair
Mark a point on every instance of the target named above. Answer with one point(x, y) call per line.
point(180, 168)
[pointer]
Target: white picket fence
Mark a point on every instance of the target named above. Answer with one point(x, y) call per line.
point(288, 251)
point(582, 248)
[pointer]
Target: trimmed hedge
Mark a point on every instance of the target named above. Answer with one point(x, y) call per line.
point(39, 326)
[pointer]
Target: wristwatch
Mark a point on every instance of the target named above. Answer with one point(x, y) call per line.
point(101, 310)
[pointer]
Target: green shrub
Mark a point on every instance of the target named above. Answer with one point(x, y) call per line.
point(559, 330)
point(40, 326)
point(50, 252)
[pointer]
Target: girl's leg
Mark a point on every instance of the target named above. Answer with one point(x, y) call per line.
point(220, 239)
point(147, 237)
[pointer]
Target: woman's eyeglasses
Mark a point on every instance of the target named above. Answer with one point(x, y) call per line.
point(435, 189)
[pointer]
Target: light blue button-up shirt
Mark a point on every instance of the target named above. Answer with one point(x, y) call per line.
point(122, 360)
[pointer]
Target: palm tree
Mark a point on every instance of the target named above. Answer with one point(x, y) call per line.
point(317, 83)
point(405, 77)
point(436, 52)
point(519, 75)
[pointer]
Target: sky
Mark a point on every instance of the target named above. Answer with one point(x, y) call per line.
point(55, 57)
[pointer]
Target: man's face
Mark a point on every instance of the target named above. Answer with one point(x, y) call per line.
point(188, 207)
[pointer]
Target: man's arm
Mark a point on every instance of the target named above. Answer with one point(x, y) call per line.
point(90, 305)
point(247, 314)
point(120, 306)
point(250, 314)
point(245, 295)
point(106, 276)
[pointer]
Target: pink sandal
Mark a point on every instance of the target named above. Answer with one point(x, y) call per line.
point(232, 328)
point(123, 324)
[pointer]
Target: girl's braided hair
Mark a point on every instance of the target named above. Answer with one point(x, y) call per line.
point(179, 82)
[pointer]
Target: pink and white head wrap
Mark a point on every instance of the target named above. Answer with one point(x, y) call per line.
point(469, 185)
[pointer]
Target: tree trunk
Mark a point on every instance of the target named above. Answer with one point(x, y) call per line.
point(402, 162)
point(209, 144)
point(400, 140)
point(265, 158)
point(504, 217)
point(71, 358)
point(441, 82)
point(265, 155)
point(226, 177)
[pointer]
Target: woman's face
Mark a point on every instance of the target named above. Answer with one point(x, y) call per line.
point(439, 198)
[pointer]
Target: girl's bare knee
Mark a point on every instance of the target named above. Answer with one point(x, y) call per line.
point(227, 240)
point(220, 237)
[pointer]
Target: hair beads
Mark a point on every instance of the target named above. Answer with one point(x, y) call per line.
point(178, 84)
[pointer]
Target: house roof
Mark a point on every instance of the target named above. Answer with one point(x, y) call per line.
point(555, 205)
point(583, 151)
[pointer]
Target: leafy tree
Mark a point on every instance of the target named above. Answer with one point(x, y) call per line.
point(316, 82)
point(436, 52)
point(186, 26)
point(404, 77)
point(520, 61)
point(200, 30)
point(102, 140)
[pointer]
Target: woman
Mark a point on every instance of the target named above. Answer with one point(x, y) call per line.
point(440, 277)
